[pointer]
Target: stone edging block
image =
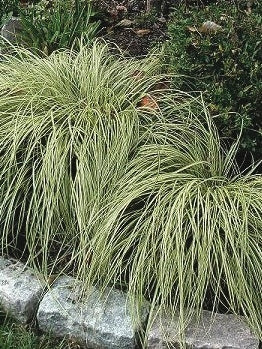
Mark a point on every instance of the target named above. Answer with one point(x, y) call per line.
point(100, 322)
point(20, 290)
point(219, 331)
point(103, 321)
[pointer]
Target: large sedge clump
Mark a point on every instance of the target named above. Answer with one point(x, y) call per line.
point(108, 177)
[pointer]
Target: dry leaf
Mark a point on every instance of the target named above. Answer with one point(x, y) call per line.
point(142, 32)
point(148, 102)
point(124, 23)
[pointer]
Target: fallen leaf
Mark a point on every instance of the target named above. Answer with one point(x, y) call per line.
point(148, 102)
point(142, 32)
point(124, 23)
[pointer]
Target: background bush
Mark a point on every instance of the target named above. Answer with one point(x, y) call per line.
point(48, 26)
point(7, 9)
point(226, 65)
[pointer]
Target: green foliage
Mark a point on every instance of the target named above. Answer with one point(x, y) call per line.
point(7, 6)
point(51, 25)
point(7, 9)
point(146, 19)
point(14, 336)
point(226, 65)
point(116, 193)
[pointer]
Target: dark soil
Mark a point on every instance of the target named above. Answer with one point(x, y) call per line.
point(133, 45)
point(130, 26)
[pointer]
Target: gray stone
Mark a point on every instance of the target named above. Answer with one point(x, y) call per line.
point(99, 322)
point(218, 332)
point(20, 290)
point(10, 29)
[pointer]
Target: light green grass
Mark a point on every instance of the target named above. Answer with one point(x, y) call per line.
point(118, 194)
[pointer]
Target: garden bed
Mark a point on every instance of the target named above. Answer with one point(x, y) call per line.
point(113, 167)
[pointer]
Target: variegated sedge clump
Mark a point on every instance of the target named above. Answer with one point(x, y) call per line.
point(115, 192)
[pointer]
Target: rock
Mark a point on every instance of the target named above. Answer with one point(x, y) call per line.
point(100, 322)
point(20, 290)
point(220, 332)
point(10, 29)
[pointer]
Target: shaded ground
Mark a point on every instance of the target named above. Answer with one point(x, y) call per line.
point(129, 25)
point(137, 27)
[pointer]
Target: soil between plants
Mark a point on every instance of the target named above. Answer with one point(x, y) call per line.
point(128, 25)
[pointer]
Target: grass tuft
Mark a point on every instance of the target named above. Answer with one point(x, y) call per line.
point(117, 194)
